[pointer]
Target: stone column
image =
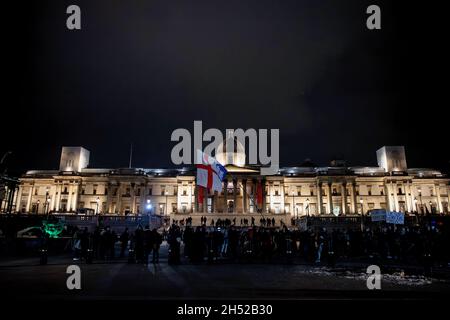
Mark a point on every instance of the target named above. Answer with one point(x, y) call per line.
point(190, 195)
point(234, 195)
point(19, 199)
point(225, 196)
point(319, 197)
point(53, 199)
point(196, 208)
point(75, 197)
point(344, 197)
point(119, 197)
point(30, 194)
point(264, 195)
point(69, 198)
point(205, 200)
point(387, 192)
point(108, 198)
point(244, 195)
point(133, 198)
point(58, 197)
point(354, 203)
point(438, 197)
point(394, 188)
point(330, 198)
point(407, 197)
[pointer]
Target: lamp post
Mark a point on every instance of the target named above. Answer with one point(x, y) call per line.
point(415, 204)
point(37, 207)
point(431, 207)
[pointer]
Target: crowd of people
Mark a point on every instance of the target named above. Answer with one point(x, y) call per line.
point(413, 245)
point(224, 240)
point(102, 244)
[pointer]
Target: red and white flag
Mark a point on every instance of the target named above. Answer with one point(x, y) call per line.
point(210, 173)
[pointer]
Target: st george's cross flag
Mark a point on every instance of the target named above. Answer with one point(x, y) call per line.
point(210, 173)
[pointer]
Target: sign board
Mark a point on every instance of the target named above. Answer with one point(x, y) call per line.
point(395, 217)
point(378, 215)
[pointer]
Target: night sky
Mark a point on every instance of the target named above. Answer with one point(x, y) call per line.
point(140, 69)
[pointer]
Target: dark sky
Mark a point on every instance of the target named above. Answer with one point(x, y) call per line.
point(140, 69)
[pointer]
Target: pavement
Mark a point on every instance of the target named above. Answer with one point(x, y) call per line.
point(24, 278)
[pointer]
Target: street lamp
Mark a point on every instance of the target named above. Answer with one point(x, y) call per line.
point(37, 207)
point(415, 204)
point(431, 207)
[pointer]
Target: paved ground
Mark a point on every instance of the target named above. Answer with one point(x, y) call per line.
point(25, 278)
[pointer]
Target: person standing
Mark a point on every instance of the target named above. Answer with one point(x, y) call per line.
point(148, 243)
point(157, 240)
point(124, 237)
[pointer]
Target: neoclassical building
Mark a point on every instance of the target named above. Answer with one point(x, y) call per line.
point(293, 192)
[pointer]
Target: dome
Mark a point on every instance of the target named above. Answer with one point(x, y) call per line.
point(236, 157)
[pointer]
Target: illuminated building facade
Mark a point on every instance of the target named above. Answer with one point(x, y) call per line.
point(293, 192)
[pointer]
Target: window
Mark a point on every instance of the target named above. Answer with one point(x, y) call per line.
point(334, 192)
point(106, 191)
point(36, 191)
point(95, 191)
point(277, 192)
point(369, 190)
point(65, 190)
point(138, 193)
point(163, 190)
point(184, 191)
point(150, 191)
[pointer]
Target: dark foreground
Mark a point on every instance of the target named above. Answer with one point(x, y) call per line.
point(26, 279)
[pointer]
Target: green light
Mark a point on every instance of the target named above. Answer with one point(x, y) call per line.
point(53, 229)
